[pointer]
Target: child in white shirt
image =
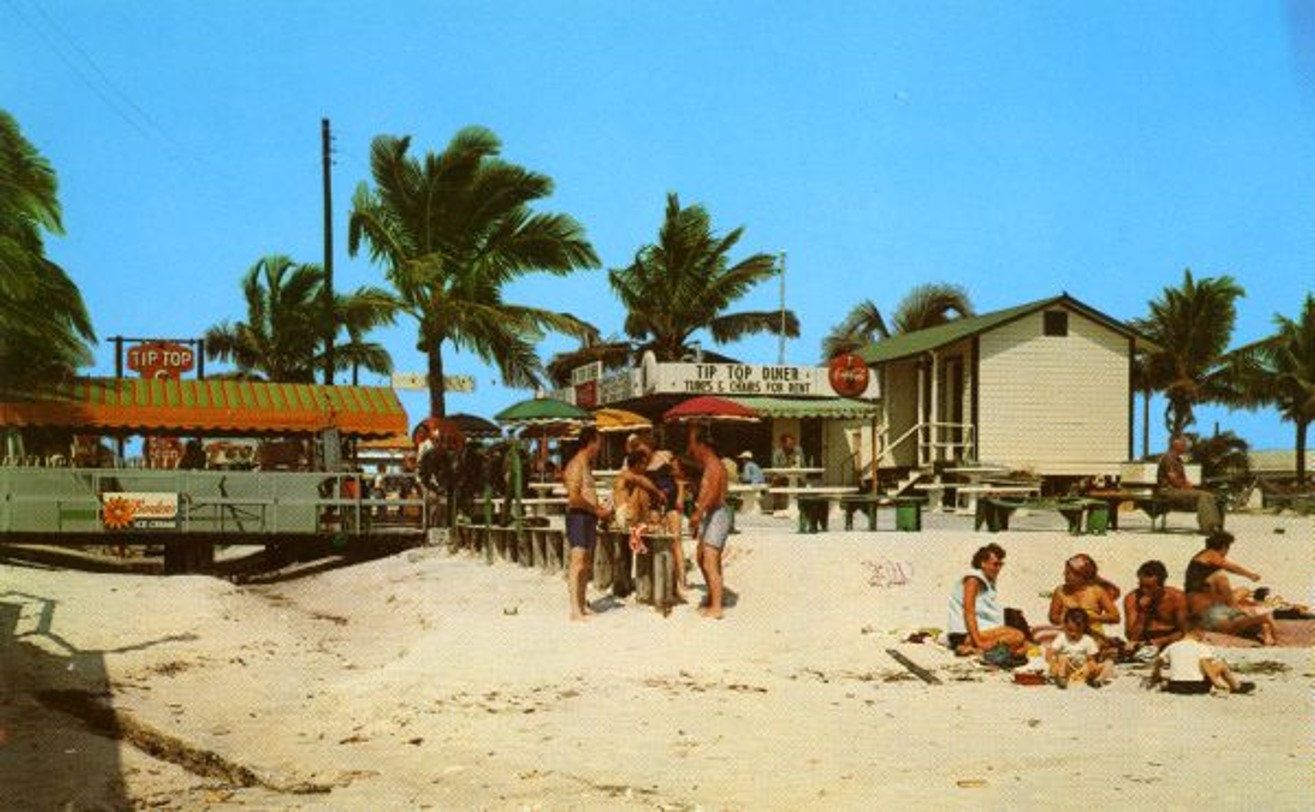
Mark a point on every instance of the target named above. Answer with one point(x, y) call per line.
point(1074, 655)
point(1193, 668)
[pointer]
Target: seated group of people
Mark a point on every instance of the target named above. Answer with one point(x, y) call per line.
point(1160, 622)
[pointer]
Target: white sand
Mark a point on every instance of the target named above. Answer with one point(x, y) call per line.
point(434, 680)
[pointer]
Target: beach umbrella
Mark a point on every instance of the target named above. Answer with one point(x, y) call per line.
point(543, 418)
point(475, 427)
point(450, 435)
point(709, 409)
point(619, 420)
point(542, 412)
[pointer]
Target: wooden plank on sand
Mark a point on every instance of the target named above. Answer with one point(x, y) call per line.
point(917, 670)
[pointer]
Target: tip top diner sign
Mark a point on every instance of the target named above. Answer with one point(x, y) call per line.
point(755, 379)
point(161, 359)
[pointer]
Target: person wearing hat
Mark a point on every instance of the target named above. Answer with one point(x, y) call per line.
point(750, 472)
point(664, 471)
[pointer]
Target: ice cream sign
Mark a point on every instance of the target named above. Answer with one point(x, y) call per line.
point(160, 359)
point(123, 510)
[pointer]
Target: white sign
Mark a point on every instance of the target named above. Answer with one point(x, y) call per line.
point(153, 511)
point(419, 381)
point(746, 379)
point(586, 373)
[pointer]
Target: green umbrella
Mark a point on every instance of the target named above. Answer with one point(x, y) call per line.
point(540, 412)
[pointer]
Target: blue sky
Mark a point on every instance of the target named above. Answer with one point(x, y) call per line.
point(1017, 149)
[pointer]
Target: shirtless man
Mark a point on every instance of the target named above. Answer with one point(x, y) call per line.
point(711, 520)
point(1154, 614)
point(582, 516)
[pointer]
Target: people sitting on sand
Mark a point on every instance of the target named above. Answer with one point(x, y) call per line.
point(1154, 614)
point(1211, 597)
point(751, 473)
point(1193, 667)
point(1173, 486)
point(1084, 589)
point(976, 616)
point(634, 495)
point(1075, 657)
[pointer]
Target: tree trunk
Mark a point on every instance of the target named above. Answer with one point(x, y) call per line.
point(1146, 423)
point(1301, 451)
point(437, 406)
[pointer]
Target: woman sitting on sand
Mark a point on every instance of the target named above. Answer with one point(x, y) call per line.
point(1084, 589)
point(1211, 598)
point(977, 618)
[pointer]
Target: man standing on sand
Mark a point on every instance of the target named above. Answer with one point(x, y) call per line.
point(1154, 614)
point(1171, 483)
point(582, 516)
point(711, 520)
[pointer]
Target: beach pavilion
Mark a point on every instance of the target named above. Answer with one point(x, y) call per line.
point(1044, 387)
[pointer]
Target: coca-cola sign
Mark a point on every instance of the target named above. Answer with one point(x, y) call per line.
point(848, 375)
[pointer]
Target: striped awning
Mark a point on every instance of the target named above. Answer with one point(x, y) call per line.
point(833, 408)
point(212, 407)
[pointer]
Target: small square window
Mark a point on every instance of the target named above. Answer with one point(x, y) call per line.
point(1056, 323)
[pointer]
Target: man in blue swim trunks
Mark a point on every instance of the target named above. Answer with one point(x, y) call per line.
point(583, 513)
point(711, 520)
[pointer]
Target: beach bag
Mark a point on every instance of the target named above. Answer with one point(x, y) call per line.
point(1000, 656)
point(1015, 620)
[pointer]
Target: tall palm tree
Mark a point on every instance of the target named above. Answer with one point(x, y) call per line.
point(924, 306)
point(451, 231)
point(282, 338)
point(685, 282)
point(45, 330)
point(1280, 371)
point(1192, 324)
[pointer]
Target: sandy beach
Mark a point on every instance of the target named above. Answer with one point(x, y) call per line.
point(432, 680)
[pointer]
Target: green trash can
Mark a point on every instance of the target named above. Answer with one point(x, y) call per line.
point(908, 515)
point(1098, 518)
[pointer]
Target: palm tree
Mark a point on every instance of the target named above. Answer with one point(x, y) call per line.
point(45, 330)
point(685, 282)
point(452, 230)
point(282, 337)
point(924, 306)
point(1193, 325)
point(1280, 371)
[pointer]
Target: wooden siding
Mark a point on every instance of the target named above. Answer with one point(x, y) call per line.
point(902, 392)
point(1046, 402)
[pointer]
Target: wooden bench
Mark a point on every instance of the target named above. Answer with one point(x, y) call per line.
point(1155, 507)
point(1083, 515)
point(908, 510)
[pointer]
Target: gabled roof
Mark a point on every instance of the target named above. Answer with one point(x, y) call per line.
point(915, 343)
point(213, 407)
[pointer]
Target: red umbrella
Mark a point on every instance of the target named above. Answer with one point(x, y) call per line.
point(709, 409)
point(450, 435)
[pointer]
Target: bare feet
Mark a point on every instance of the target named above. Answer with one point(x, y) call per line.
point(709, 612)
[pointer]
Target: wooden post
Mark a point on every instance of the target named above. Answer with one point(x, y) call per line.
point(488, 522)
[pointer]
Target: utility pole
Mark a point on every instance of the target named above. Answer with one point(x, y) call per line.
point(330, 327)
point(781, 358)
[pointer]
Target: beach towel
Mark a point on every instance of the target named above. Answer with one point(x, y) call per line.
point(1288, 634)
point(637, 544)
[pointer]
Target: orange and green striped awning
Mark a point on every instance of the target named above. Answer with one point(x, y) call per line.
point(214, 406)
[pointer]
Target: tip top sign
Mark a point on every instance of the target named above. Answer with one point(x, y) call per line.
point(160, 359)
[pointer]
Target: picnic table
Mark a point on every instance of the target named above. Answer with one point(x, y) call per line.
point(1082, 515)
point(908, 509)
point(813, 505)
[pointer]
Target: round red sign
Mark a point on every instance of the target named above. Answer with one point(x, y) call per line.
point(848, 375)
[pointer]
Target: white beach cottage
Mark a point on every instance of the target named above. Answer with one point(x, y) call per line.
point(1044, 387)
